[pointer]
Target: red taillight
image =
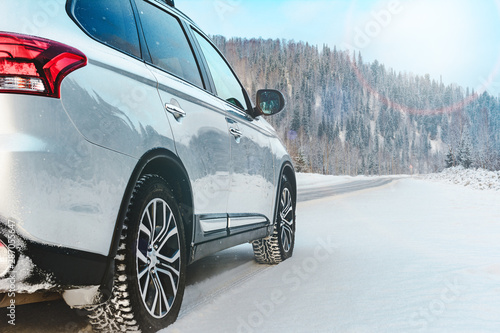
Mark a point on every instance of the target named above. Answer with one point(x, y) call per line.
point(35, 65)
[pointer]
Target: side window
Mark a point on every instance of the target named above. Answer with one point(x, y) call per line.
point(111, 21)
point(227, 85)
point(168, 44)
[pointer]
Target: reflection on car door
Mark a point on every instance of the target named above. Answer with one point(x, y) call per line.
point(252, 170)
point(251, 194)
point(198, 124)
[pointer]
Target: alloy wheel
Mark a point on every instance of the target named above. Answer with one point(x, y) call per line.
point(286, 220)
point(158, 258)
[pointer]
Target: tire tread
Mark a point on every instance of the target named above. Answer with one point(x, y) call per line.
point(116, 315)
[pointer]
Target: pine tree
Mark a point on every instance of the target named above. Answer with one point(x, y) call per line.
point(295, 126)
point(450, 159)
point(301, 163)
point(464, 157)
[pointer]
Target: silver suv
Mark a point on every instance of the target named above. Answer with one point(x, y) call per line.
point(128, 150)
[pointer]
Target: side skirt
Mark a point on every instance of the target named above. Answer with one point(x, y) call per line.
point(199, 251)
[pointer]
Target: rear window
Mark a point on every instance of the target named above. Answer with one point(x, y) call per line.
point(168, 44)
point(111, 22)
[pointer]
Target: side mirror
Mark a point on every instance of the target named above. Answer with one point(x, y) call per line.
point(269, 102)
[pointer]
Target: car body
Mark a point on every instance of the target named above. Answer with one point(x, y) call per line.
point(101, 99)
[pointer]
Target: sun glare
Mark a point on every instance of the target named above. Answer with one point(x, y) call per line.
point(429, 36)
point(444, 38)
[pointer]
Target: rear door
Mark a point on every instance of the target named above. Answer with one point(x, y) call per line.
point(198, 123)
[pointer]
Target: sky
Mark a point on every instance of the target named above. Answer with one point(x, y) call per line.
point(456, 41)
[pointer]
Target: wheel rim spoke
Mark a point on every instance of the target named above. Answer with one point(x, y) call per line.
point(144, 290)
point(169, 260)
point(172, 233)
point(170, 277)
point(158, 222)
point(286, 236)
point(164, 297)
point(145, 230)
point(286, 210)
point(141, 274)
point(164, 222)
point(158, 258)
point(156, 296)
point(142, 257)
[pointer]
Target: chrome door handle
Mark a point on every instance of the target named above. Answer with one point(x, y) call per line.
point(175, 110)
point(235, 132)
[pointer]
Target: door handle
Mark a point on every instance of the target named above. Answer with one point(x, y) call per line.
point(235, 132)
point(175, 110)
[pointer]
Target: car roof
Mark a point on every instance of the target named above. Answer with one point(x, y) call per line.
point(179, 13)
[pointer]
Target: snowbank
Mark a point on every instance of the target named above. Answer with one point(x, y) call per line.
point(479, 179)
point(310, 180)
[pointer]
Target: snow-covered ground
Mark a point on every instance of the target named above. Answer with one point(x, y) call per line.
point(479, 179)
point(412, 256)
point(416, 255)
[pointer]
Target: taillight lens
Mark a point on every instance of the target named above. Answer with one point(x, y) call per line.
point(33, 65)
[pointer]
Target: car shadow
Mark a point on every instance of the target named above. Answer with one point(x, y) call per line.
point(212, 266)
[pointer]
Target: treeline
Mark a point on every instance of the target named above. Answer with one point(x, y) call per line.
point(346, 116)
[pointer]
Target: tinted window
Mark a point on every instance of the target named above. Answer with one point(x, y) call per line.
point(110, 21)
point(167, 43)
point(228, 87)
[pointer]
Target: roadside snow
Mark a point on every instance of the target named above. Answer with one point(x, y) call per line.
point(308, 180)
point(478, 179)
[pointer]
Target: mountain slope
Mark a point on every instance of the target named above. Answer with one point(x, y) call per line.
point(345, 116)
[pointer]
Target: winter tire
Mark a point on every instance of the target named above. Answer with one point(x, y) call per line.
point(279, 246)
point(150, 266)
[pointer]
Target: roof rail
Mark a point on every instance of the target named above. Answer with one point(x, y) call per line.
point(170, 3)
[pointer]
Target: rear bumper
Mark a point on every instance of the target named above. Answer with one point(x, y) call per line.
point(60, 189)
point(34, 267)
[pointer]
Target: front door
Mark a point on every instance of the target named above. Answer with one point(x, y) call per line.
point(252, 171)
point(198, 123)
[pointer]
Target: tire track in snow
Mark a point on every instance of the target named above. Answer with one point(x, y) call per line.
point(343, 188)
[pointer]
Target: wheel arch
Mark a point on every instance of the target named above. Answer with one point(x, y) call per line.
point(167, 165)
point(288, 171)
point(270, 250)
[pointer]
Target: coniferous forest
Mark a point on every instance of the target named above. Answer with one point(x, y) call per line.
point(347, 116)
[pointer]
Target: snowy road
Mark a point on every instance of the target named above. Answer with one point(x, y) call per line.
point(410, 256)
point(413, 256)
